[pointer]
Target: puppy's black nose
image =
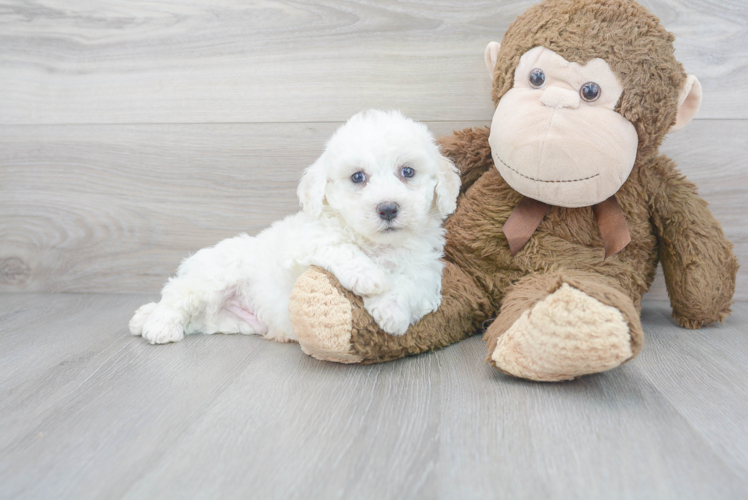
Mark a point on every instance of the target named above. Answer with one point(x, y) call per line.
point(387, 210)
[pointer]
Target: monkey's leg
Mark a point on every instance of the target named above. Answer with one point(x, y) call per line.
point(332, 324)
point(563, 325)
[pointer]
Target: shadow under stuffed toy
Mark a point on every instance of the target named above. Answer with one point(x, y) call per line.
point(566, 208)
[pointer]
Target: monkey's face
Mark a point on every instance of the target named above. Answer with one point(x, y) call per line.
point(556, 136)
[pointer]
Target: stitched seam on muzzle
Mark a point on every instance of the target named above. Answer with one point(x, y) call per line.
point(541, 180)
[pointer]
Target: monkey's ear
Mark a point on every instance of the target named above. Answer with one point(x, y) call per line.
point(311, 190)
point(689, 101)
point(447, 186)
point(491, 56)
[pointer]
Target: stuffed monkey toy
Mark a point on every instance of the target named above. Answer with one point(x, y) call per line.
point(566, 208)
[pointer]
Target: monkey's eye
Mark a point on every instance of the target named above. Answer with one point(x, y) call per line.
point(590, 91)
point(537, 78)
point(407, 172)
point(358, 177)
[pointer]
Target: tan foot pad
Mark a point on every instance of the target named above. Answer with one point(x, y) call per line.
point(566, 335)
point(322, 318)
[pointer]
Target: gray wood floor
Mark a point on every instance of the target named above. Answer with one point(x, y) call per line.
point(87, 411)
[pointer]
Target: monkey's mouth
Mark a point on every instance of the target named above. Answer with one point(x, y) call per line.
point(543, 180)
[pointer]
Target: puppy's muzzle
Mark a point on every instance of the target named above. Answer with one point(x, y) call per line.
point(387, 210)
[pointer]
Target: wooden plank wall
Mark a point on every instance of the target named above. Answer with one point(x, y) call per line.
point(133, 133)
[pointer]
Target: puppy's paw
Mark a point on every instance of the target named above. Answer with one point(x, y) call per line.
point(389, 314)
point(426, 306)
point(163, 326)
point(364, 282)
point(140, 317)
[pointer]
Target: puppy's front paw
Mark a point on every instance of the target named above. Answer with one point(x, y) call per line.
point(389, 314)
point(364, 282)
point(140, 317)
point(163, 326)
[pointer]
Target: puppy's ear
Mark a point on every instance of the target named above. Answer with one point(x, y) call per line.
point(447, 186)
point(311, 191)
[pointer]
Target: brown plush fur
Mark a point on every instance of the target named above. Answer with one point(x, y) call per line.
point(668, 221)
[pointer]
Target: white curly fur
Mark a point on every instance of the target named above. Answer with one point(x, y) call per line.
point(243, 284)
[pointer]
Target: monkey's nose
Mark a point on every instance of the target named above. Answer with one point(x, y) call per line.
point(556, 97)
point(387, 210)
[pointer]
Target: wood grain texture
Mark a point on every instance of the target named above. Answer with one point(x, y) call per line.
point(298, 61)
point(115, 208)
point(88, 411)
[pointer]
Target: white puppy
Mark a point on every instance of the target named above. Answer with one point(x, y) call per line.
point(373, 205)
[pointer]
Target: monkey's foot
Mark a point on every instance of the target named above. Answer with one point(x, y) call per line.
point(322, 318)
point(332, 323)
point(563, 336)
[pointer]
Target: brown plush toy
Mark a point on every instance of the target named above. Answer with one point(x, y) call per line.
point(566, 208)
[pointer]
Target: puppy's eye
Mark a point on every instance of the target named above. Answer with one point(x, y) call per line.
point(407, 172)
point(590, 91)
point(537, 78)
point(358, 177)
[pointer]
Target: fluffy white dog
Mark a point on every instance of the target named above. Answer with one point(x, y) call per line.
point(373, 205)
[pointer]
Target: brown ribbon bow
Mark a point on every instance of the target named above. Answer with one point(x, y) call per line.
point(526, 218)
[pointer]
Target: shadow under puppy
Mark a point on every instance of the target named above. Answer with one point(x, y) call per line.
point(373, 205)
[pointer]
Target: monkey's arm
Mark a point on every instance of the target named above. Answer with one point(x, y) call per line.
point(470, 152)
point(697, 259)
